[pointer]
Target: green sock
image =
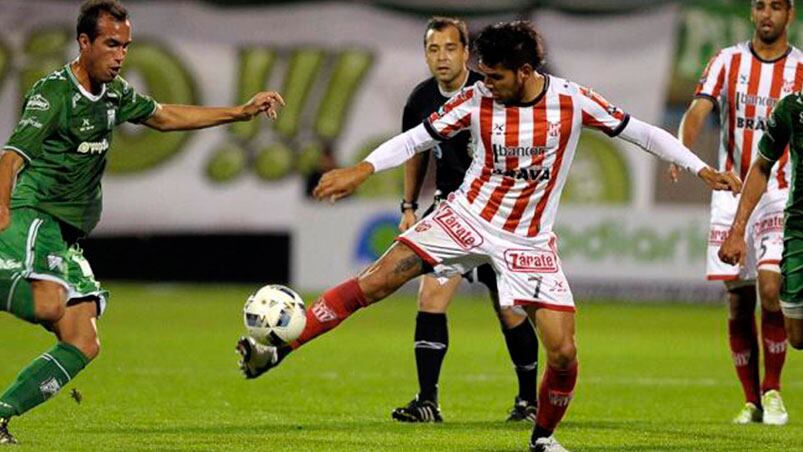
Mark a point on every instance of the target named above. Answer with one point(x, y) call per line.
point(42, 379)
point(16, 296)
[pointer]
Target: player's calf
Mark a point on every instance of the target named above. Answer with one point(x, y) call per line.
point(794, 332)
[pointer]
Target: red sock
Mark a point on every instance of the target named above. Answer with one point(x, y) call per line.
point(773, 335)
point(557, 390)
point(330, 309)
point(744, 349)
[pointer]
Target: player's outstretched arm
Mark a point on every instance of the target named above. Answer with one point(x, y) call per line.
point(10, 165)
point(342, 182)
point(733, 249)
point(169, 117)
point(691, 125)
point(663, 145)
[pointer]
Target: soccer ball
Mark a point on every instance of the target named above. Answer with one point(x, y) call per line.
point(274, 315)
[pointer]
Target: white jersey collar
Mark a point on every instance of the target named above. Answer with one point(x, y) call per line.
point(84, 92)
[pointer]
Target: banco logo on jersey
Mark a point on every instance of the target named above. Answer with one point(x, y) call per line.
point(461, 232)
point(531, 261)
point(37, 102)
point(755, 100)
point(501, 152)
point(97, 147)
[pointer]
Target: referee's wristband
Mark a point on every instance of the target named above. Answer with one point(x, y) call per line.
point(405, 206)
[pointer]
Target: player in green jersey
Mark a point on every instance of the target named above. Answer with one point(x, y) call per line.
point(53, 164)
point(784, 130)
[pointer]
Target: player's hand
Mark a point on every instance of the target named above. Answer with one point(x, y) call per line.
point(5, 217)
point(721, 180)
point(267, 102)
point(408, 219)
point(733, 249)
point(342, 182)
point(673, 172)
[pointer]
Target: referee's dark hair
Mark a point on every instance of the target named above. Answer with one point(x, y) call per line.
point(439, 23)
point(511, 44)
point(90, 13)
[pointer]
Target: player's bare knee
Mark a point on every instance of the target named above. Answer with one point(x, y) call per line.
point(769, 293)
point(794, 333)
point(562, 356)
point(431, 301)
point(49, 302)
point(88, 343)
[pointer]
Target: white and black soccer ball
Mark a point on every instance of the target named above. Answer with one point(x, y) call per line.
point(274, 315)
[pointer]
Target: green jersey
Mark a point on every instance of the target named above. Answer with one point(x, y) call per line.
point(63, 135)
point(785, 127)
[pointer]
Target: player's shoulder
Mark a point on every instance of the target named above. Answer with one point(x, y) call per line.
point(53, 84)
point(795, 54)
point(791, 103)
point(568, 87)
point(119, 86)
point(476, 90)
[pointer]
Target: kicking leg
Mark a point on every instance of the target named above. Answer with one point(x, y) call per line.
point(47, 374)
point(397, 266)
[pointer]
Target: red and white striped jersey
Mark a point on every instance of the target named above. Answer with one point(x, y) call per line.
point(745, 88)
point(522, 153)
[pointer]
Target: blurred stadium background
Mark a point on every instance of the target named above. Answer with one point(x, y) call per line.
point(229, 204)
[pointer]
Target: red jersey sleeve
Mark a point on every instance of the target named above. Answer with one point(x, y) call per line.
point(600, 114)
point(712, 80)
point(454, 116)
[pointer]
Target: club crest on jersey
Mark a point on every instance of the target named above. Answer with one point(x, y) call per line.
point(788, 86)
point(423, 226)
point(531, 261)
point(499, 129)
point(460, 231)
point(37, 102)
point(553, 129)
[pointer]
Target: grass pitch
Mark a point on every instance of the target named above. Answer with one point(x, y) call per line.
point(652, 377)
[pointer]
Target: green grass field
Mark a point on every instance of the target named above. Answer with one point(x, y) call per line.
point(652, 377)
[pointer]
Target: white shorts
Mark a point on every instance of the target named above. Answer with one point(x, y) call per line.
point(528, 270)
point(764, 236)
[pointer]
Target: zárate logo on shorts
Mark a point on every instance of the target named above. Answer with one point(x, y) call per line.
point(463, 234)
point(531, 261)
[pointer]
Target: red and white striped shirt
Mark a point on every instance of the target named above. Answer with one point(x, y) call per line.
point(522, 153)
point(745, 88)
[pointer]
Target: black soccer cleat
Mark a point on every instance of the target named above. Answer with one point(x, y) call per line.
point(256, 359)
point(523, 411)
point(5, 436)
point(418, 411)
